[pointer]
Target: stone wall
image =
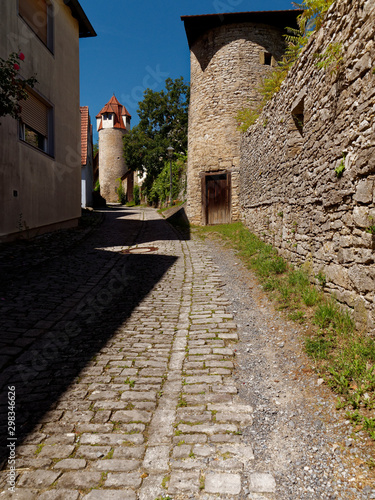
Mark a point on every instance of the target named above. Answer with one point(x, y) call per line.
point(111, 162)
point(226, 70)
point(290, 194)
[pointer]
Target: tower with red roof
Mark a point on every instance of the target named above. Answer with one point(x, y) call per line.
point(113, 122)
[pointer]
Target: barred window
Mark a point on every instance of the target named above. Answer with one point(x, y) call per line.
point(36, 123)
point(37, 14)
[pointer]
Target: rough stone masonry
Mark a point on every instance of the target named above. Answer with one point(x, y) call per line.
point(228, 61)
point(308, 164)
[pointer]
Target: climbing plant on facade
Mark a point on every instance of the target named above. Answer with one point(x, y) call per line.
point(309, 21)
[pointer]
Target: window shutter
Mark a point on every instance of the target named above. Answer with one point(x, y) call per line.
point(34, 12)
point(34, 113)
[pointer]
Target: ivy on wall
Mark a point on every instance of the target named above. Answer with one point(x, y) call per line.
point(308, 22)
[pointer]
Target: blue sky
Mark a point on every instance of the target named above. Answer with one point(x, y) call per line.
point(140, 43)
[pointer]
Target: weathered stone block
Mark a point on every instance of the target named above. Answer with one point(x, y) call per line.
point(183, 482)
point(111, 495)
point(156, 459)
point(37, 479)
point(223, 483)
point(345, 256)
point(59, 495)
point(56, 451)
point(365, 191)
point(112, 439)
point(360, 279)
point(71, 463)
point(132, 416)
point(182, 451)
point(262, 483)
point(121, 480)
point(116, 465)
point(79, 480)
point(93, 452)
point(332, 198)
point(337, 275)
point(207, 429)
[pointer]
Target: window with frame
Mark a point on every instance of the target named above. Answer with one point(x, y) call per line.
point(36, 124)
point(38, 15)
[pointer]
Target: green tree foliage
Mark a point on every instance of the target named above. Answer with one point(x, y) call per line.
point(309, 21)
point(136, 195)
point(313, 15)
point(331, 58)
point(161, 186)
point(121, 192)
point(12, 88)
point(163, 122)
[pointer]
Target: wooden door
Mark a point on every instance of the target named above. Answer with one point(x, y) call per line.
point(217, 199)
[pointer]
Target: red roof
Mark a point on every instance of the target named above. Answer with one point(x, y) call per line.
point(85, 121)
point(113, 106)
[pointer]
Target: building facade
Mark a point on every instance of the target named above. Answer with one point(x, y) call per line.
point(113, 122)
point(40, 154)
point(230, 54)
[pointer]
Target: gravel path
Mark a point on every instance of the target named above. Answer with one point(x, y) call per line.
point(297, 433)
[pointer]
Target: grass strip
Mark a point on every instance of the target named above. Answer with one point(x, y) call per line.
point(342, 355)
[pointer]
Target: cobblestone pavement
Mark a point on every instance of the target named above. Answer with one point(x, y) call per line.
point(121, 355)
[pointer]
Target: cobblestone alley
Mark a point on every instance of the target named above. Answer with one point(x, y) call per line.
point(130, 382)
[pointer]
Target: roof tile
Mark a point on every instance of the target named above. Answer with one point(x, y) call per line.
point(85, 120)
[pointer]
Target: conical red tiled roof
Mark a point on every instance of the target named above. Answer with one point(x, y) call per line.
point(114, 106)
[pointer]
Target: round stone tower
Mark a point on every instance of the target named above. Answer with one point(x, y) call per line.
point(113, 122)
point(230, 55)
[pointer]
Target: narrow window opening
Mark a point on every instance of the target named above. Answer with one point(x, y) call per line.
point(298, 114)
point(267, 59)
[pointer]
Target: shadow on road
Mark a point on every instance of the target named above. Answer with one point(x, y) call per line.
point(132, 232)
point(56, 317)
